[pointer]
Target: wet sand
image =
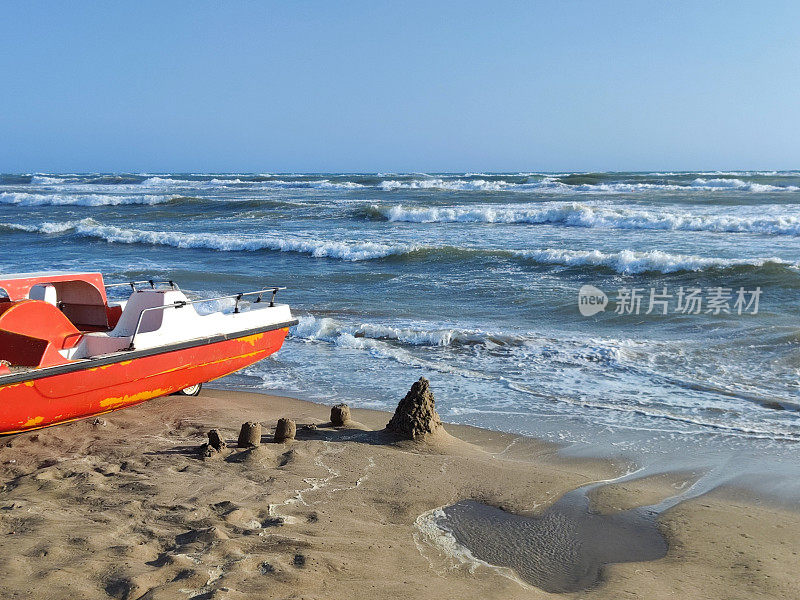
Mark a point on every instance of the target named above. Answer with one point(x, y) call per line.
point(127, 508)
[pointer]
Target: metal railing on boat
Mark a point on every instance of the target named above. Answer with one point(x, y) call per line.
point(181, 303)
point(151, 282)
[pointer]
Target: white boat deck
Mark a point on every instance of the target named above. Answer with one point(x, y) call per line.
point(153, 319)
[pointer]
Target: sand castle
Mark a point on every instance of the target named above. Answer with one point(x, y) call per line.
point(340, 415)
point(285, 430)
point(416, 416)
point(249, 435)
point(214, 446)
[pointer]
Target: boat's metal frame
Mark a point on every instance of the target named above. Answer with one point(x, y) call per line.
point(182, 303)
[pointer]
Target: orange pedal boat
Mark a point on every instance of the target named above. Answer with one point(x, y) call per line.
point(67, 353)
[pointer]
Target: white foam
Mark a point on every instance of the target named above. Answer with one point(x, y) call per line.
point(732, 173)
point(331, 330)
point(739, 184)
point(356, 337)
point(322, 184)
point(446, 184)
point(482, 182)
point(164, 183)
point(345, 250)
point(161, 181)
point(28, 199)
point(624, 261)
point(376, 337)
point(551, 184)
point(45, 180)
point(46, 228)
point(575, 214)
point(437, 544)
point(753, 429)
point(630, 262)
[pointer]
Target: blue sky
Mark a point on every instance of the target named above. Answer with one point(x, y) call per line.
point(398, 86)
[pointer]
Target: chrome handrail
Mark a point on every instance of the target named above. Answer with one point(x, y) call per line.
point(182, 303)
point(153, 283)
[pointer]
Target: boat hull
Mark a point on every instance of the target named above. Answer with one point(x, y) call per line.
point(102, 386)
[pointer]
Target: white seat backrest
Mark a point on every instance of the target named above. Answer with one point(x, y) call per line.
point(44, 291)
point(152, 319)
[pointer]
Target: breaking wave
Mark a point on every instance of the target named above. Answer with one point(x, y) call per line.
point(623, 262)
point(374, 341)
point(547, 183)
point(582, 215)
point(323, 184)
point(331, 330)
point(556, 185)
point(447, 184)
point(46, 228)
point(261, 183)
point(45, 180)
point(344, 250)
point(629, 262)
point(384, 340)
point(29, 199)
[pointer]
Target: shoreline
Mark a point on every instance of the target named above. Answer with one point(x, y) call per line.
point(734, 484)
point(130, 504)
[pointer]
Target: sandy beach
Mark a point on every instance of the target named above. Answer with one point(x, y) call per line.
point(125, 506)
point(485, 301)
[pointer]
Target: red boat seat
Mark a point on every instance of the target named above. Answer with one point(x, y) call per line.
point(33, 331)
point(113, 313)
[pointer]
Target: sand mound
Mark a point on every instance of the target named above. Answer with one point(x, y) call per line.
point(285, 430)
point(416, 417)
point(215, 445)
point(249, 435)
point(340, 415)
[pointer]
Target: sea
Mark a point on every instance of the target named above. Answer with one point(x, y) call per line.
point(649, 315)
